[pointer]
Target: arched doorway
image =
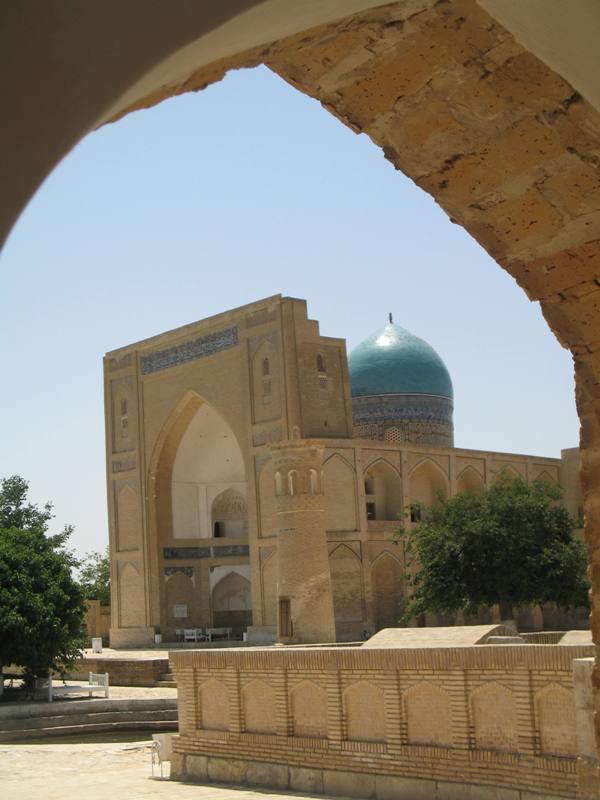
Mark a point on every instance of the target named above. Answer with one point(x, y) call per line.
point(200, 520)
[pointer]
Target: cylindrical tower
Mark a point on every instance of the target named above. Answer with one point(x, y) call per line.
point(401, 390)
point(304, 597)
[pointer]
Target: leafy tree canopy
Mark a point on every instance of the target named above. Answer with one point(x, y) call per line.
point(511, 545)
point(41, 605)
point(94, 577)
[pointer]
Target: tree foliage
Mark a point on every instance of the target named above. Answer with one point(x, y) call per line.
point(41, 605)
point(94, 577)
point(511, 546)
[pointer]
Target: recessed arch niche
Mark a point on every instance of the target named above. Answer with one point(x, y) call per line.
point(208, 480)
point(470, 481)
point(427, 483)
point(383, 491)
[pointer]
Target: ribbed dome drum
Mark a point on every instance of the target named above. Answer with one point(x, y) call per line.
point(401, 389)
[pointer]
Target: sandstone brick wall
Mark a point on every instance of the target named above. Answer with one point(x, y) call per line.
point(488, 715)
point(122, 671)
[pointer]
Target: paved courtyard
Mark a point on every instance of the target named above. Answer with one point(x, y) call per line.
point(100, 772)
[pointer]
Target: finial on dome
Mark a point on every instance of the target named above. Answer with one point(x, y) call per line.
point(390, 316)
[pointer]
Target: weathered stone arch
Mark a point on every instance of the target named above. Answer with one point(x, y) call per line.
point(478, 142)
point(364, 712)
point(340, 494)
point(427, 709)
point(308, 704)
point(494, 718)
point(258, 707)
point(470, 480)
point(213, 705)
point(387, 588)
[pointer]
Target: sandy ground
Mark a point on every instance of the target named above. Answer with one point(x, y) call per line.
point(116, 771)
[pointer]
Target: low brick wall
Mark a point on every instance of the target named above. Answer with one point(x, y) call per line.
point(381, 723)
point(122, 672)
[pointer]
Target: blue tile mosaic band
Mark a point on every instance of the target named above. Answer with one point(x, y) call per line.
point(206, 552)
point(190, 351)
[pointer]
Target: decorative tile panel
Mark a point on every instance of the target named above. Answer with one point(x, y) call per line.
point(190, 351)
point(206, 552)
point(187, 571)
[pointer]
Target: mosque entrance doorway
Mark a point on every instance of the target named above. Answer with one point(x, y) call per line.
point(202, 531)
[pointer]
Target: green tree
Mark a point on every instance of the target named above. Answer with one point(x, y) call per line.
point(94, 577)
point(513, 546)
point(41, 605)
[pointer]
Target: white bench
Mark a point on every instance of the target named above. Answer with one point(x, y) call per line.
point(98, 682)
point(214, 632)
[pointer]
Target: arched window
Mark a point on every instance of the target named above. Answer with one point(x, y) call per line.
point(292, 482)
point(314, 481)
point(321, 364)
point(266, 367)
point(278, 484)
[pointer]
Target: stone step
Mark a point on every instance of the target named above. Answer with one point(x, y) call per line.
point(167, 680)
point(91, 718)
point(85, 706)
point(84, 730)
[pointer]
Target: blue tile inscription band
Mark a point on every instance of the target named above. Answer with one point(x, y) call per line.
point(190, 351)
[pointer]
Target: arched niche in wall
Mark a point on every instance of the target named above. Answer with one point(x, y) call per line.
point(383, 491)
point(230, 597)
point(266, 382)
point(229, 515)
point(507, 472)
point(427, 482)
point(132, 612)
point(129, 523)
point(387, 586)
point(339, 480)
point(206, 462)
point(546, 477)
point(180, 599)
point(470, 481)
point(347, 585)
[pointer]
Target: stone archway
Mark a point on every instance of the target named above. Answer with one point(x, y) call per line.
point(508, 147)
point(196, 482)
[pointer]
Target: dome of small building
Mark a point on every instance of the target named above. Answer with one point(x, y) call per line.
point(401, 389)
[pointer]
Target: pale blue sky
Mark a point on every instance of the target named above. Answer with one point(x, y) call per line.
point(210, 201)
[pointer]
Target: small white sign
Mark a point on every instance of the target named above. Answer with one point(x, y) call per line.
point(180, 612)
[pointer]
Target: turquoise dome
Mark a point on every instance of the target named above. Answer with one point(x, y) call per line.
point(395, 361)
